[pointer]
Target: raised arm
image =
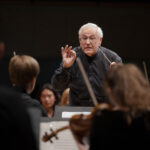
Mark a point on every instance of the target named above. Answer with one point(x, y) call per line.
point(61, 77)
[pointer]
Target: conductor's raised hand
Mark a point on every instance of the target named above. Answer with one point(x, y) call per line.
point(68, 56)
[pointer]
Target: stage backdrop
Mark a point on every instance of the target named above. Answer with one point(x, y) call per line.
point(40, 29)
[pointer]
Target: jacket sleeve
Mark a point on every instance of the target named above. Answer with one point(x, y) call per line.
point(113, 56)
point(61, 78)
point(117, 58)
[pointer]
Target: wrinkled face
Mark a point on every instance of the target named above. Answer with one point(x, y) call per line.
point(47, 98)
point(89, 41)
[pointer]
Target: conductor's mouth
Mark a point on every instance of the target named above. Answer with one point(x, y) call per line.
point(88, 48)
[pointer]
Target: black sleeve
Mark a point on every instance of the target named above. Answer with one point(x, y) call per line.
point(112, 56)
point(60, 79)
point(35, 103)
point(116, 58)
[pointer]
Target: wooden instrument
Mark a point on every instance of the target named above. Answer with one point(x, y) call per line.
point(48, 137)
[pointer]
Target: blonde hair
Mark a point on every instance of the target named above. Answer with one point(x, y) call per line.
point(22, 69)
point(129, 87)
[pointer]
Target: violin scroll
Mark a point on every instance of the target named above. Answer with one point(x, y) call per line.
point(48, 137)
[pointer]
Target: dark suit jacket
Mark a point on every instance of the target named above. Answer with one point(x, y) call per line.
point(30, 102)
point(95, 68)
point(15, 125)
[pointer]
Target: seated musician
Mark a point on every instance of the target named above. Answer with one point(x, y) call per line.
point(48, 98)
point(127, 124)
point(16, 126)
point(23, 72)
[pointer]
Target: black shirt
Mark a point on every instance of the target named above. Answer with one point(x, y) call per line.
point(29, 102)
point(15, 124)
point(110, 129)
point(95, 67)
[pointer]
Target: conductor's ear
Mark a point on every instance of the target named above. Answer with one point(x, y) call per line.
point(100, 40)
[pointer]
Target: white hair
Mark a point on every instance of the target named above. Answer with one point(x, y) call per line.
point(92, 25)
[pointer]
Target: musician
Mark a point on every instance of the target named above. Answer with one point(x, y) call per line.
point(127, 125)
point(48, 98)
point(96, 61)
point(23, 71)
point(16, 125)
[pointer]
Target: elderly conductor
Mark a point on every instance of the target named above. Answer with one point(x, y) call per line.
point(93, 57)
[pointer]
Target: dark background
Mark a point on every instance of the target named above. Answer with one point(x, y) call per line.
point(40, 27)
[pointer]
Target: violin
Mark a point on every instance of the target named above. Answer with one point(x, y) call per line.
point(78, 124)
point(48, 137)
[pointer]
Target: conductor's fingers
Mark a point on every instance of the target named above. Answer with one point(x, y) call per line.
point(73, 53)
point(62, 50)
point(66, 48)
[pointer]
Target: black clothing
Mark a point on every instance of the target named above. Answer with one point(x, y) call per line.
point(95, 68)
point(30, 102)
point(15, 125)
point(110, 129)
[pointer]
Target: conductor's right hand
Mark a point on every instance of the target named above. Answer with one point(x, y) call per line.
point(68, 56)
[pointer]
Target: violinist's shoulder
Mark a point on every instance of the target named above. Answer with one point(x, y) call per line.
point(106, 114)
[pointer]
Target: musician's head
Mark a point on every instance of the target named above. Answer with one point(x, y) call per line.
point(23, 71)
point(90, 38)
point(127, 88)
point(48, 96)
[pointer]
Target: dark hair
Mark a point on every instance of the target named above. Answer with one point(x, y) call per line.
point(49, 87)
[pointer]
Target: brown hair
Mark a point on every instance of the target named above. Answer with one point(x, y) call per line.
point(129, 87)
point(22, 69)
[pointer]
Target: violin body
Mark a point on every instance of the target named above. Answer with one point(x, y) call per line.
point(78, 124)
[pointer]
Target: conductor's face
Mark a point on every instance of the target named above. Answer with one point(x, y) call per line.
point(89, 41)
